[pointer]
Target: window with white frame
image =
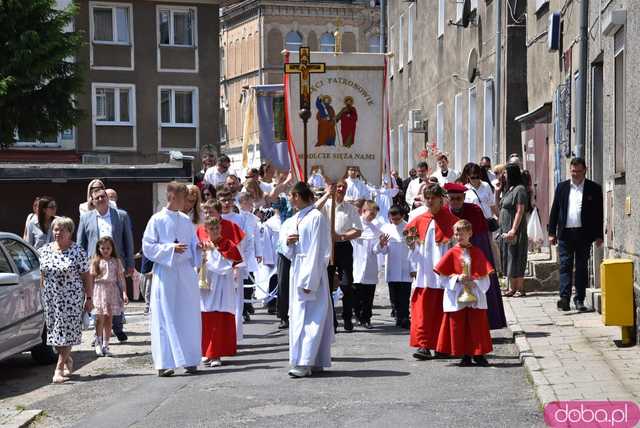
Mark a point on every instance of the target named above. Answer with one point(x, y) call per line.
point(412, 13)
point(293, 41)
point(178, 107)
point(111, 24)
point(392, 149)
point(400, 43)
point(488, 118)
point(472, 125)
point(113, 104)
point(327, 42)
point(177, 26)
point(440, 126)
point(441, 17)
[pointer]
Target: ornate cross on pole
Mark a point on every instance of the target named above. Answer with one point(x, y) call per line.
point(304, 68)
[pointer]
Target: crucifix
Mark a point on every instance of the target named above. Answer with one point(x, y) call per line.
point(304, 68)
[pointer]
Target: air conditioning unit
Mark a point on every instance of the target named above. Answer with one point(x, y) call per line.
point(96, 159)
point(416, 122)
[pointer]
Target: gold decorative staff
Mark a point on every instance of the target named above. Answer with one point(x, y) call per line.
point(304, 68)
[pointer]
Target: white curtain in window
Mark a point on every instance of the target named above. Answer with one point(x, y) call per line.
point(165, 106)
point(102, 25)
point(327, 43)
point(184, 107)
point(164, 27)
point(122, 24)
point(182, 28)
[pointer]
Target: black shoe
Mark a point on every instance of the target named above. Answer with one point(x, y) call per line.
point(283, 325)
point(251, 309)
point(422, 354)
point(465, 362)
point(441, 355)
point(480, 360)
point(348, 324)
point(393, 313)
point(191, 370)
point(122, 337)
point(367, 325)
point(580, 307)
point(246, 317)
point(563, 304)
point(165, 372)
point(271, 311)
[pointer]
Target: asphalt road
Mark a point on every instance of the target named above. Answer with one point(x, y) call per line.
point(374, 382)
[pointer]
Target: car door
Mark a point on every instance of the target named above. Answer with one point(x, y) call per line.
point(10, 310)
point(29, 307)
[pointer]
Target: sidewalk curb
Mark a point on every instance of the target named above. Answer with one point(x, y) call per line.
point(22, 419)
point(541, 385)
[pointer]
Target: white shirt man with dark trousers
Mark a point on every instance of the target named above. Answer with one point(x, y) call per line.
point(576, 221)
point(103, 221)
point(413, 194)
point(347, 227)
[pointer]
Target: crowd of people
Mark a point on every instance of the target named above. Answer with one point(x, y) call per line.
point(224, 243)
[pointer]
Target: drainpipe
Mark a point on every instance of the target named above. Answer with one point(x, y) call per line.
point(498, 91)
point(581, 118)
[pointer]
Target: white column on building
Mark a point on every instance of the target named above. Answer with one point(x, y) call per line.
point(458, 140)
point(473, 123)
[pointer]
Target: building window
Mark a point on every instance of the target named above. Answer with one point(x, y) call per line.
point(178, 107)
point(440, 126)
point(472, 125)
point(293, 41)
point(619, 107)
point(411, 159)
point(111, 24)
point(400, 43)
point(401, 169)
point(412, 13)
point(177, 26)
point(327, 43)
point(488, 118)
point(457, 132)
point(374, 44)
point(441, 17)
point(113, 104)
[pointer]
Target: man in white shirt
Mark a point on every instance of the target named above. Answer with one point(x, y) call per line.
point(347, 228)
point(216, 175)
point(443, 173)
point(266, 172)
point(575, 222)
point(356, 187)
point(413, 196)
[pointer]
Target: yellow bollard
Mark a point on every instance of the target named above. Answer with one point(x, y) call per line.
point(616, 280)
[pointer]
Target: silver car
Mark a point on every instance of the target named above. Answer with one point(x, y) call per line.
point(22, 325)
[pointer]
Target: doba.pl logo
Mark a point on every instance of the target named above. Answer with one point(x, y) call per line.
point(587, 414)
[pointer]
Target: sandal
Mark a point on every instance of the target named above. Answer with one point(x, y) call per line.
point(509, 293)
point(520, 293)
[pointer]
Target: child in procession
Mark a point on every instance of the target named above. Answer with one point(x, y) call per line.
point(365, 263)
point(108, 291)
point(464, 272)
point(218, 295)
point(399, 271)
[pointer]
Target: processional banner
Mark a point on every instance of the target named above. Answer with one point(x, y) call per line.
point(347, 123)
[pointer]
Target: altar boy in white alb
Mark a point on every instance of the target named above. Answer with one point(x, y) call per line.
point(170, 242)
point(308, 246)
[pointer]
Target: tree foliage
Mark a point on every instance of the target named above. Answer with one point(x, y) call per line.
point(39, 74)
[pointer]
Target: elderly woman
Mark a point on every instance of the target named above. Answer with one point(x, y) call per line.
point(39, 228)
point(67, 290)
point(513, 227)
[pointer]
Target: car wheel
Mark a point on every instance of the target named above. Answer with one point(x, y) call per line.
point(43, 353)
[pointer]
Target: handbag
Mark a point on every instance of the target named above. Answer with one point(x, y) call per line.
point(491, 222)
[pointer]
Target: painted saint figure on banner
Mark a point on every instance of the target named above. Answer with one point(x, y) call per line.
point(348, 116)
point(326, 117)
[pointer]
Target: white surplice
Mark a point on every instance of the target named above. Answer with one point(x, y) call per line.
point(356, 189)
point(310, 314)
point(425, 257)
point(365, 261)
point(398, 268)
point(384, 198)
point(221, 295)
point(175, 299)
point(453, 290)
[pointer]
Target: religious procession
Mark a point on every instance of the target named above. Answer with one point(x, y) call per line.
point(333, 213)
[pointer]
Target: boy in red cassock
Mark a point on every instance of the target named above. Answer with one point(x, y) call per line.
point(464, 273)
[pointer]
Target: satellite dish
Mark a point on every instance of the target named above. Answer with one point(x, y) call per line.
point(472, 66)
point(466, 13)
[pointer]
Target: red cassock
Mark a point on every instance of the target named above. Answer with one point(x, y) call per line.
point(466, 331)
point(219, 328)
point(426, 303)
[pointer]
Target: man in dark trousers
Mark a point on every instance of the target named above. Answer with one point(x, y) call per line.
point(575, 222)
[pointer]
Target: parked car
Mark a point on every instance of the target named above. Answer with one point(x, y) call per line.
point(22, 324)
